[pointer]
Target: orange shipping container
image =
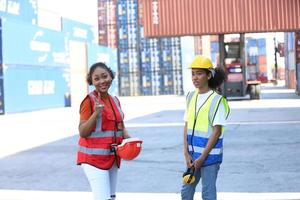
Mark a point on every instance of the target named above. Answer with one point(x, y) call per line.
point(203, 17)
point(262, 60)
point(263, 68)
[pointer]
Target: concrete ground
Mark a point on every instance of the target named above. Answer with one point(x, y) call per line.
point(261, 152)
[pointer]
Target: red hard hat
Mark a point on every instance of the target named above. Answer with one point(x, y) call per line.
point(130, 148)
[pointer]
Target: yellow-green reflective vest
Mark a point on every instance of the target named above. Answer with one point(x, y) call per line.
point(199, 126)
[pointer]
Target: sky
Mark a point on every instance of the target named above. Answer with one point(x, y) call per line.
point(84, 11)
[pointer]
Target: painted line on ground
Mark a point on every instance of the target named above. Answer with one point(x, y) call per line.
point(140, 125)
point(50, 195)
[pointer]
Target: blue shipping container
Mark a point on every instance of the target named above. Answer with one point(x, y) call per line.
point(34, 87)
point(214, 46)
point(1, 95)
point(34, 46)
point(261, 42)
point(77, 31)
point(251, 42)
point(262, 51)
point(22, 10)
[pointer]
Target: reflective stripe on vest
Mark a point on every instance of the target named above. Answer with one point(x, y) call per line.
point(98, 134)
point(198, 137)
point(95, 151)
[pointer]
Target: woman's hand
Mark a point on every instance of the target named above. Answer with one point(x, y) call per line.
point(98, 107)
point(126, 134)
point(198, 163)
point(188, 160)
point(86, 126)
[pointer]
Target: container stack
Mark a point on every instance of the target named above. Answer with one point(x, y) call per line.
point(1, 78)
point(147, 66)
point(128, 51)
point(107, 23)
point(160, 66)
point(251, 59)
point(262, 60)
point(214, 50)
point(256, 59)
point(292, 58)
point(198, 45)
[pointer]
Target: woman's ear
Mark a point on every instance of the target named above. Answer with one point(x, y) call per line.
point(209, 76)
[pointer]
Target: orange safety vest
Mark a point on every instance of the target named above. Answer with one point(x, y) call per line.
point(96, 149)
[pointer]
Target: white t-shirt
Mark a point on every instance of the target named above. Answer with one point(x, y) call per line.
point(220, 118)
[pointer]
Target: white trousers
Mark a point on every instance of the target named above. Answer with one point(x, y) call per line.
point(103, 182)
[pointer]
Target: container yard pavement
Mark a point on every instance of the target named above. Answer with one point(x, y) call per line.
point(24, 131)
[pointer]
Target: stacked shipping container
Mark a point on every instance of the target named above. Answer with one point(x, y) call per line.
point(107, 25)
point(292, 60)
point(128, 35)
point(214, 50)
point(256, 57)
point(35, 74)
point(20, 10)
point(146, 66)
point(1, 75)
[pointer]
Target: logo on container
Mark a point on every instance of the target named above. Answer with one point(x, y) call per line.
point(155, 16)
point(43, 47)
point(11, 7)
point(40, 87)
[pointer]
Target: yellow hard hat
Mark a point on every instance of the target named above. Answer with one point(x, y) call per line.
point(201, 62)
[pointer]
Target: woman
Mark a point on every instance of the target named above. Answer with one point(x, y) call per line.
point(101, 129)
point(205, 118)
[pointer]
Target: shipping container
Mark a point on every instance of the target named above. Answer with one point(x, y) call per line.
point(124, 87)
point(198, 45)
point(1, 92)
point(107, 23)
point(142, 61)
point(1, 75)
point(251, 42)
point(132, 12)
point(178, 82)
point(157, 83)
point(38, 87)
point(297, 55)
point(41, 46)
point(42, 75)
point(206, 17)
point(135, 83)
point(77, 31)
point(25, 10)
point(133, 55)
point(146, 83)
point(168, 82)
point(262, 60)
point(214, 47)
